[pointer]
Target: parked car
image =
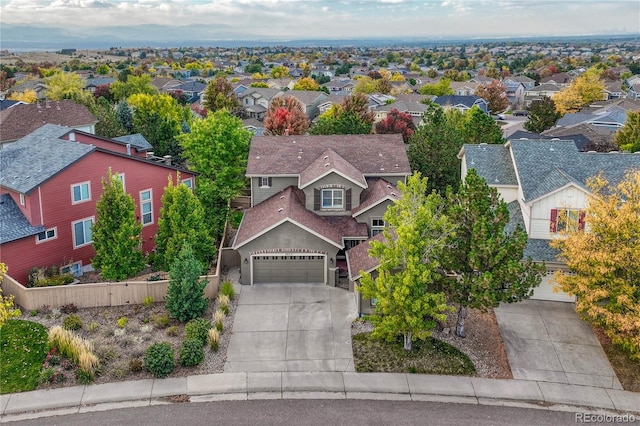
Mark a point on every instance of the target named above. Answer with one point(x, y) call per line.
point(521, 112)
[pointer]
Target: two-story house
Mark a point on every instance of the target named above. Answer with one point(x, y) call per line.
point(312, 198)
point(256, 101)
point(50, 181)
point(544, 184)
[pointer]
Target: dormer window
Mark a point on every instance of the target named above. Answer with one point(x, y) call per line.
point(333, 198)
point(566, 220)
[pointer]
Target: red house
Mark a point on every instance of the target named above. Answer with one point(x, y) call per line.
point(50, 181)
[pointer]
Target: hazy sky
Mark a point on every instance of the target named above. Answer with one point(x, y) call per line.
point(303, 19)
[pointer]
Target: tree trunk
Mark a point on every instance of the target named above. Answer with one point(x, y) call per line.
point(462, 314)
point(407, 341)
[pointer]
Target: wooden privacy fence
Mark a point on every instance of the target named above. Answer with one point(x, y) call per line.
point(95, 294)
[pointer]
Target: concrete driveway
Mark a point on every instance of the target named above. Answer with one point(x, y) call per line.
point(547, 341)
point(292, 327)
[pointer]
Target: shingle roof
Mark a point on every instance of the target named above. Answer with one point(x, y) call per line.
point(358, 258)
point(306, 97)
point(330, 162)
point(13, 224)
point(544, 166)
point(492, 162)
point(37, 157)
point(467, 101)
point(372, 155)
point(21, 120)
point(286, 205)
point(540, 251)
point(378, 190)
point(136, 140)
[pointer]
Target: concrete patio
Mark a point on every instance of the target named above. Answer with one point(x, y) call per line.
point(292, 327)
point(548, 342)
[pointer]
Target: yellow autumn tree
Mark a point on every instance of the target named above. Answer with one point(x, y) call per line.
point(64, 85)
point(306, 83)
point(28, 96)
point(605, 260)
point(584, 90)
point(7, 308)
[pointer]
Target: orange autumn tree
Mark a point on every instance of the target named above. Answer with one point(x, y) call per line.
point(605, 260)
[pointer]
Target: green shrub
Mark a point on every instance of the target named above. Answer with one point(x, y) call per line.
point(161, 320)
point(135, 365)
point(56, 280)
point(147, 301)
point(46, 375)
point(218, 319)
point(191, 353)
point(172, 331)
point(122, 322)
point(72, 322)
point(185, 295)
point(84, 377)
point(197, 329)
point(159, 359)
point(226, 288)
point(93, 326)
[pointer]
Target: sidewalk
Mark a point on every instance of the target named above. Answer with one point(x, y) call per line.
point(326, 385)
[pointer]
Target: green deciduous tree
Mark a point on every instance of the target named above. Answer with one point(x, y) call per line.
point(409, 265)
point(134, 85)
point(628, 137)
point(217, 149)
point(488, 262)
point(159, 119)
point(440, 88)
point(116, 233)
point(185, 295)
point(182, 222)
point(108, 125)
point(542, 115)
point(479, 127)
point(351, 117)
point(64, 85)
point(286, 116)
point(434, 146)
point(219, 94)
point(605, 260)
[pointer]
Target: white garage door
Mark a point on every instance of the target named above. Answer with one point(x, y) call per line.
point(545, 291)
point(288, 269)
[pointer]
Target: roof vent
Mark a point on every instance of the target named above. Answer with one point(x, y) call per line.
point(326, 157)
point(379, 154)
point(382, 169)
point(257, 157)
point(299, 158)
point(282, 197)
point(393, 194)
point(327, 164)
point(280, 209)
point(551, 149)
point(389, 186)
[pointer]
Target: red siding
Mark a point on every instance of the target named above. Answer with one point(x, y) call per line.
point(58, 210)
point(105, 143)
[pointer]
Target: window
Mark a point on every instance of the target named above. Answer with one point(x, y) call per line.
point(373, 302)
point(46, 235)
point(332, 199)
point(121, 178)
point(377, 225)
point(74, 269)
point(188, 183)
point(82, 232)
point(22, 199)
point(80, 192)
point(146, 207)
point(265, 182)
point(566, 220)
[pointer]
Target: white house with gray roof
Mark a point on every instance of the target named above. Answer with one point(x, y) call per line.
point(544, 184)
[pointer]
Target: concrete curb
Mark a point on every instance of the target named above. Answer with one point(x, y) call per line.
point(324, 385)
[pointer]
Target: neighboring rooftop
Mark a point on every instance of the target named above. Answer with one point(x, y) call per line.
point(136, 140)
point(13, 224)
point(358, 258)
point(492, 162)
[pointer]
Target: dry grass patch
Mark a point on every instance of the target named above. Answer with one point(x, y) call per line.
point(627, 370)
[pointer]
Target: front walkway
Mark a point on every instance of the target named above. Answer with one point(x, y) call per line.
point(292, 327)
point(548, 342)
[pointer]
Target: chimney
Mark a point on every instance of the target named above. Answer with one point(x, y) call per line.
point(72, 136)
point(128, 149)
point(167, 159)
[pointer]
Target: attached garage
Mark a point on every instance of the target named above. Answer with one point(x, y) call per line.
point(545, 290)
point(289, 268)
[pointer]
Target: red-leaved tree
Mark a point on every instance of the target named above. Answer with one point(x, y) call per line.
point(397, 122)
point(286, 116)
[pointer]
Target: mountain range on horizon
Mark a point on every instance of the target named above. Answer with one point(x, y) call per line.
point(25, 37)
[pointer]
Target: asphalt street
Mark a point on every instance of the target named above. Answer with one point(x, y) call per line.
point(313, 412)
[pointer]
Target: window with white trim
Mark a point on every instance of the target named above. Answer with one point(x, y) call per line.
point(377, 226)
point(188, 183)
point(46, 235)
point(121, 178)
point(265, 182)
point(332, 198)
point(80, 192)
point(146, 207)
point(74, 269)
point(564, 219)
point(82, 232)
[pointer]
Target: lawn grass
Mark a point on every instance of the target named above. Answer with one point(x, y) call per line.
point(22, 351)
point(627, 370)
point(429, 357)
